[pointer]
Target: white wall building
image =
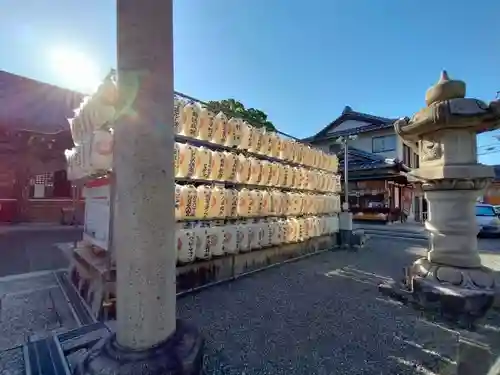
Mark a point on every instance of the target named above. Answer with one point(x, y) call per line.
point(375, 135)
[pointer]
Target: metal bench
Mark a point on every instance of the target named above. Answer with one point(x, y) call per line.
point(59, 353)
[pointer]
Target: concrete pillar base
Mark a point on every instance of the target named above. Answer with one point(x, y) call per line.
point(180, 354)
point(345, 226)
point(345, 238)
point(459, 295)
point(352, 239)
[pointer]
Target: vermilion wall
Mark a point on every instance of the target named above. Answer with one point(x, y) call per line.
point(50, 210)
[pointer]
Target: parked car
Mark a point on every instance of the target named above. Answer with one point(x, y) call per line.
point(497, 209)
point(487, 219)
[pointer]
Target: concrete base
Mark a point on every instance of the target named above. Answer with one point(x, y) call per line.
point(358, 238)
point(352, 239)
point(180, 354)
point(345, 238)
point(459, 295)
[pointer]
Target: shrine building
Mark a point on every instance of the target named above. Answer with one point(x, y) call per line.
point(34, 132)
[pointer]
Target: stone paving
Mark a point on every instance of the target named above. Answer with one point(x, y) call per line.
point(405, 227)
point(322, 315)
point(23, 251)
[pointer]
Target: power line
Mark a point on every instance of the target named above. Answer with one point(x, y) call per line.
point(489, 145)
point(489, 152)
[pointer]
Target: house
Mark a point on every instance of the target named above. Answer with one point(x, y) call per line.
point(34, 132)
point(492, 194)
point(377, 161)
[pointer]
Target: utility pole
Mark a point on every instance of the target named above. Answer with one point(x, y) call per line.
point(345, 217)
point(344, 141)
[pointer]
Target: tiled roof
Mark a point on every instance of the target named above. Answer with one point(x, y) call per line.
point(374, 123)
point(362, 160)
point(496, 168)
point(29, 105)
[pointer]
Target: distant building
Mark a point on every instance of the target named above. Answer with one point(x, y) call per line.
point(34, 132)
point(377, 162)
point(492, 194)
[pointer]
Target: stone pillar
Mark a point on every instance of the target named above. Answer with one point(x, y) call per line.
point(451, 278)
point(148, 340)
point(345, 226)
point(452, 227)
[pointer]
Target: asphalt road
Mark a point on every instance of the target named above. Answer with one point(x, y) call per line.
point(34, 250)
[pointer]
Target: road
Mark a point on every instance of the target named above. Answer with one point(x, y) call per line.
point(34, 250)
point(489, 247)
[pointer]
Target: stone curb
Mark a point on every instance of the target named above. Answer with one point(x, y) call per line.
point(392, 228)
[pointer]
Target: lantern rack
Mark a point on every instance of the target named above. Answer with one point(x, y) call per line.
point(235, 150)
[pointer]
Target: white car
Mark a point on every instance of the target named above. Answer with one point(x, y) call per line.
point(487, 219)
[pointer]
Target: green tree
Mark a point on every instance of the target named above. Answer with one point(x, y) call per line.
point(235, 108)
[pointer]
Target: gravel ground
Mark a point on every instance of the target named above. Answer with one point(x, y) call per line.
point(323, 315)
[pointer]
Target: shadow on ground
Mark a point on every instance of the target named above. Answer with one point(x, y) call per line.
point(323, 315)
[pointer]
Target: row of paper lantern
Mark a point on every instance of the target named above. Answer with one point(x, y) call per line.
point(202, 243)
point(94, 112)
point(213, 202)
point(201, 163)
point(194, 121)
point(91, 155)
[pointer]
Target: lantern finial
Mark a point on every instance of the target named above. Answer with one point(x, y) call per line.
point(445, 89)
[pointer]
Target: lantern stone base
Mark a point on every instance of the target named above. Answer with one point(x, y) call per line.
point(461, 295)
point(180, 354)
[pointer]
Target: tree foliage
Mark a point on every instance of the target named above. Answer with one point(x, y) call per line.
point(235, 108)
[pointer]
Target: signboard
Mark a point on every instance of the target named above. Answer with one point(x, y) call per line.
point(97, 212)
point(371, 185)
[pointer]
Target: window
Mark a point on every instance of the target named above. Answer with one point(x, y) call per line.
point(485, 211)
point(407, 156)
point(50, 185)
point(334, 148)
point(417, 161)
point(384, 143)
point(410, 158)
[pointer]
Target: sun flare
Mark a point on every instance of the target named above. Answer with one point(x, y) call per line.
point(75, 69)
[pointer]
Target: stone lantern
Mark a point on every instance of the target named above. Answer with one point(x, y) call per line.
point(451, 277)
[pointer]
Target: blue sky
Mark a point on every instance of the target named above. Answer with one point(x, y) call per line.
point(300, 61)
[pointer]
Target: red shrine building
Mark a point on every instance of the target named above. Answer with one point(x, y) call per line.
point(34, 132)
